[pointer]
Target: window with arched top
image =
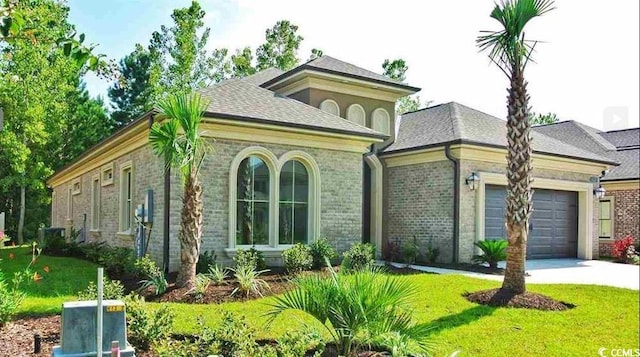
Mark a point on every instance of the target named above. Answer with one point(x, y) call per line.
point(381, 121)
point(252, 227)
point(330, 106)
point(356, 114)
point(294, 203)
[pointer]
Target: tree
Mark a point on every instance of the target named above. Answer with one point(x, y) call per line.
point(281, 47)
point(543, 119)
point(397, 70)
point(179, 143)
point(315, 53)
point(131, 96)
point(241, 63)
point(180, 61)
point(511, 52)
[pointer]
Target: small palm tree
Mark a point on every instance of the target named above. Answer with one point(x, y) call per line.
point(511, 52)
point(177, 140)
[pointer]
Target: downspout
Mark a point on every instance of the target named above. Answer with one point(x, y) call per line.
point(165, 211)
point(456, 201)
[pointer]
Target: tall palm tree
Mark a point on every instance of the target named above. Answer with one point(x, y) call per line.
point(511, 52)
point(176, 138)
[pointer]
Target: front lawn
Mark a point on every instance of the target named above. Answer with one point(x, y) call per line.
point(603, 317)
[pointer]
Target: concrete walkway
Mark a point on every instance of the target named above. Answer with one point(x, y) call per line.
point(564, 271)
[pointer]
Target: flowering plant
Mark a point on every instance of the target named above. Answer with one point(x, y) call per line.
point(623, 249)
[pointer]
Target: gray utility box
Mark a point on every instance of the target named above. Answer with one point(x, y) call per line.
point(79, 326)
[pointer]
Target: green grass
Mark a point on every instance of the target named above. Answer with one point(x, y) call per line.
point(604, 317)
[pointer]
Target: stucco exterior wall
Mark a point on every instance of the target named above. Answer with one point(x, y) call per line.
point(418, 202)
point(626, 217)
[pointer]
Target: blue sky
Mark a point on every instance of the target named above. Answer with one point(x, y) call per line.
point(587, 69)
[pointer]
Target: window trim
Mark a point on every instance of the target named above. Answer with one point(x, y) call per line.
point(70, 202)
point(122, 230)
point(359, 107)
point(95, 223)
point(374, 118)
point(611, 200)
point(54, 218)
point(76, 186)
point(103, 170)
point(330, 101)
point(274, 164)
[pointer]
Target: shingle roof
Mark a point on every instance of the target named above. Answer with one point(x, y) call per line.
point(629, 168)
point(239, 99)
point(453, 122)
point(626, 138)
point(328, 64)
point(577, 134)
point(263, 76)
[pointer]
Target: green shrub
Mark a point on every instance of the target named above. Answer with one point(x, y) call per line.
point(157, 281)
point(358, 257)
point(111, 290)
point(117, 261)
point(200, 287)
point(297, 258)
point(10, 297)
point(493, 251)
point(206, 260)
point(321, 251)
point(217, 274)
point(93, 251)
point(57, 245)
point(432, 253)
point(145, 267)
point(410, 251)
point(249, 281)
point(145, 324)
point(251, 258)
point(298, 343)
point(358, 309)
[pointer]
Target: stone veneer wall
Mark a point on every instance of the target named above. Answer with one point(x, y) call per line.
point(468, 202)
point(418, 202)
point(626, 217)
point(147, 172)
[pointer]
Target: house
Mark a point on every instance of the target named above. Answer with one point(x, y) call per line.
point(619, 209)
point(312, 152)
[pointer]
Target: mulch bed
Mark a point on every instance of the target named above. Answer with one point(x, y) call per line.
point(506, 298)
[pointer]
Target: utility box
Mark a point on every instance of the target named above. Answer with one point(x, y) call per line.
point(79, 326)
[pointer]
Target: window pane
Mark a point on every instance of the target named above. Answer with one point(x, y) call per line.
point(301, 182)
point(286, 182)
point(286, 222)
point(605, 209)
point(260, 179)
point(301, 218)
point(244, 180)
point(243, 225)
point(261, 223)
point(605, 228)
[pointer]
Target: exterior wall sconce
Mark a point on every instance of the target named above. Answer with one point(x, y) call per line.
point(599, 192)
point(472, 181)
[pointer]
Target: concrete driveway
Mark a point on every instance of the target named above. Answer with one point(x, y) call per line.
point(567, 271)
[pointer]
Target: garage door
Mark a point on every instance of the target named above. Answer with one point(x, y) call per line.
point(554, 223)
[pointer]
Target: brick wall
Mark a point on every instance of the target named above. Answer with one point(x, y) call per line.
point(419, 202)
point(626, 217)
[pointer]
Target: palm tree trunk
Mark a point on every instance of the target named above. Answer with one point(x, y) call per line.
point(190, 231)
point(519, 180)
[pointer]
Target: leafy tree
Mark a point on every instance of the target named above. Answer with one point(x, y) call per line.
point(131, 96)
point(177, 140)
point(396, 69)
point(542, 119)
point(281, 47)
point(511, 52)
point(241, 63)
point(315, 53)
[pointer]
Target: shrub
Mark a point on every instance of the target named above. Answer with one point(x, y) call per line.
point(111, 290)
point(493, 251)
point(145, 324)
point(358, 257)
point(10, 297)
point(205, 260)
point(297, 258)
point(145, 267)
point(432, 253)
point(251, 258)
point(298, 343)
point(623, 249)
point(410, 251)
point(249, 281)
point(93, 251)
point(57, 245)
point(117, 261)
point(217, 274)
point(200, 286)
point(321, 251)
point(364, 307)
point(157, 281)
point(391, 251)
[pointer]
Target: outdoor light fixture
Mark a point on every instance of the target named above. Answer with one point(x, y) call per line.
point(599, 192)
point(471, 181)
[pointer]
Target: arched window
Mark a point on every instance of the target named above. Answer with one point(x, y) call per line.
point(330, 106)
point(356, 114)
point(252, 219)
point(381, 121)
point(294, 203)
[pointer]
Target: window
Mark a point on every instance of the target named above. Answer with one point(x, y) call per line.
point(606, 226)
point(253, 195)
point(381, 121)
point(107, 174)
point(356, 114)
point(77, 186)
point(126, 198)
point(294, 203)
point(95, 203)
point(330, 106)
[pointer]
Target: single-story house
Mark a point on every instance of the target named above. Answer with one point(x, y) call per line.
point(312, 152)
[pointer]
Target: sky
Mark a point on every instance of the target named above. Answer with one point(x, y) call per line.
point(586, 63)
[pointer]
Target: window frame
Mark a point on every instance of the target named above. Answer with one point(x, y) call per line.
point(358, 107)
point(611, 201)
point(375, 118)
point(252, 201)
point(70, 202)
point(294, 203)
point(106, 169)
point(330, 101)
point(95, 203)
point(122, 220)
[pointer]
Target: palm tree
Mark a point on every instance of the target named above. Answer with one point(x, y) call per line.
point(177, 140)
point(511, 52)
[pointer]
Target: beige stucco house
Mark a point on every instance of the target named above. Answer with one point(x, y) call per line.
point(312, 152)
